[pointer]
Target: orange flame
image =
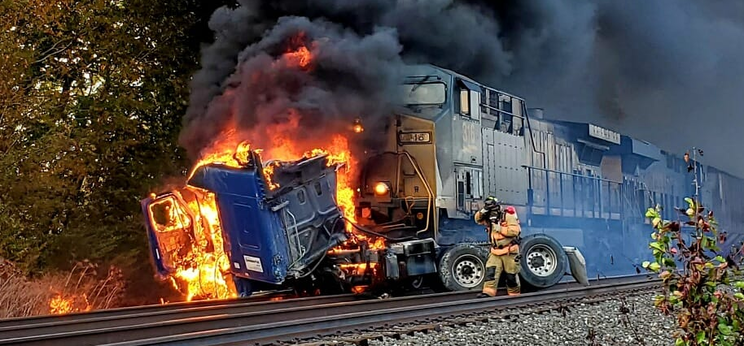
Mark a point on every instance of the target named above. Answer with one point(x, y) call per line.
point(359, 289)
point(200, 259)
point(60, 305)
point(298, 54)
point(338, 153)
point(301, 57)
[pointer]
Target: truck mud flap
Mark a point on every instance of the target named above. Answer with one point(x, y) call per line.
point(577, 264)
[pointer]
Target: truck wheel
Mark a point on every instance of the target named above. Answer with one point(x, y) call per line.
point(462, 268)
point(543, 261)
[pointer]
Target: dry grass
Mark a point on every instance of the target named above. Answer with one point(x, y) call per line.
point(82, 289)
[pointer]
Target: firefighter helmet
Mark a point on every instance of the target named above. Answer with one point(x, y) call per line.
point(491, 203)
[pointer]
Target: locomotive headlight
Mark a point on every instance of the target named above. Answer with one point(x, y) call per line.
point(381, 189)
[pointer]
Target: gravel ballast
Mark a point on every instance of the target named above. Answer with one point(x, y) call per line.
point(631, 320)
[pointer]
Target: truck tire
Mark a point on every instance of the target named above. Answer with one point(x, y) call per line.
point(463, 268)
point(543, 263)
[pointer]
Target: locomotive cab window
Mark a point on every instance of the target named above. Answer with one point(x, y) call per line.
point(421, 94)
point(469, 99)
point(464, 101)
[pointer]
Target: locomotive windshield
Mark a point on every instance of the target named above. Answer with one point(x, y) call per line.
point(422, 93)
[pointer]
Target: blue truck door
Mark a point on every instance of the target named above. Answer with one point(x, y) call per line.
point(169, 227)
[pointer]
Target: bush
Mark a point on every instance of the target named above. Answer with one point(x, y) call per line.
point(701, 287)
point(82, 289)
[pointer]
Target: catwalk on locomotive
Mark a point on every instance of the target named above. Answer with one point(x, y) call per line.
point(576, 196)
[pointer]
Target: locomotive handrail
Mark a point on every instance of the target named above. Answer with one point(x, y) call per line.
point(605, 200)
point(570, 174)
point(500, 111)
point(426, 185)
point(532, 137)
point(500, 92)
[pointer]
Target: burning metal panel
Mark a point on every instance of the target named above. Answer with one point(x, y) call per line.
point(252, 233)
point(168, 227)
point(307, 205)
point(256, 232)
point(186, 242)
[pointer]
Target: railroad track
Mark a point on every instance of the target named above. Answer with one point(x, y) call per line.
point(37, 329)
point(160, 308)
point(285, 320)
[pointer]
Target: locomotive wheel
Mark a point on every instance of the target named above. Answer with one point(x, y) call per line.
point(543, 263)
point(463, 268)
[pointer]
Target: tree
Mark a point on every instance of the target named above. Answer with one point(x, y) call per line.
point(91, 98)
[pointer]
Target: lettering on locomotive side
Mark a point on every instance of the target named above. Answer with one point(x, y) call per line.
point(414, 137)
point(469, 136)
point(253, 263)
point(604, 134)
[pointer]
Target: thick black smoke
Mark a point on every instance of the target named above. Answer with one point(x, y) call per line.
point(670, 72)
point(276, 94)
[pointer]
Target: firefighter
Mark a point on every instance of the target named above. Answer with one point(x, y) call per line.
point(503, 232)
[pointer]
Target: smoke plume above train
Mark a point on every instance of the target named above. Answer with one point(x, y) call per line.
point(667, 73)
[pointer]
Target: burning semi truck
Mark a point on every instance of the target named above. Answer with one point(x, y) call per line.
point(405, 217)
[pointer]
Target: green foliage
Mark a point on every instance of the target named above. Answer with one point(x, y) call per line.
point(699, 284)
point(91, 98)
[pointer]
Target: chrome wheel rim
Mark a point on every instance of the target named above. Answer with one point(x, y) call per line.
point(468, 271)
point(542, 260)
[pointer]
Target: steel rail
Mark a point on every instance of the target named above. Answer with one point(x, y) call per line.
point(113, 332)
point(206, 319)
point(333, 323)
point(151, 314)
point(22, 321)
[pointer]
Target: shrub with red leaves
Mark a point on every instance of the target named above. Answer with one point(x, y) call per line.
point(700, 286)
